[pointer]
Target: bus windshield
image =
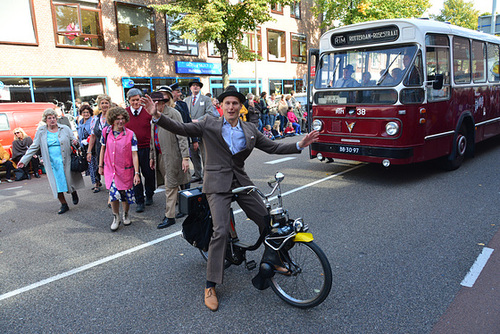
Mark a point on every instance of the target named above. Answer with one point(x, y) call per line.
point(370, 67)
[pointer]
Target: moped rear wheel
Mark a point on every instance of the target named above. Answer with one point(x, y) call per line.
point(310, 278)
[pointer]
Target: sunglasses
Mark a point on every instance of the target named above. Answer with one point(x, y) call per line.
point(16, 132)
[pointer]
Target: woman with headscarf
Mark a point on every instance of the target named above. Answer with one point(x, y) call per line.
point(20, 145)
point(98, 123)
point(55, 140)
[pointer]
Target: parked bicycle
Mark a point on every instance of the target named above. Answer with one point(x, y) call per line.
point(307, 278)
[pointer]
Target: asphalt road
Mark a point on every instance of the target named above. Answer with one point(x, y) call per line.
point(400, 242)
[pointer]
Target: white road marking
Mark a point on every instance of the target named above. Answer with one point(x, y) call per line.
point(86, 267)
point(477, 267)
point(277, 161)
point(144, 245)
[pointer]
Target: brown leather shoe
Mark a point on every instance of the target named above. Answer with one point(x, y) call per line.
point(282, 270)
point(211, 299)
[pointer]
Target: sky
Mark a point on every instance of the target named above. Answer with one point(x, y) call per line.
point(481, 5)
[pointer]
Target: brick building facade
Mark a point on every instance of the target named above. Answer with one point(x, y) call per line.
point(70, 50)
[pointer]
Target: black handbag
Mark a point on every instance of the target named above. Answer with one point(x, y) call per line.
point(20, 174)
point(79, 161)
point(197, 227)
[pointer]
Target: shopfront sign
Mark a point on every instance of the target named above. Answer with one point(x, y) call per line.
point(190, 67)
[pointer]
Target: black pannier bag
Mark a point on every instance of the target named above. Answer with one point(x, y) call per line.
point(197, 227)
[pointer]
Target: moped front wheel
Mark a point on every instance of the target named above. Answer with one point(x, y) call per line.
point(309, 280)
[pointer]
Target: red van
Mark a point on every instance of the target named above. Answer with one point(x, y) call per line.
point(24, 115)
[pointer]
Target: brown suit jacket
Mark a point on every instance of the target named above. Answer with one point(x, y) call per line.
point(221, 166)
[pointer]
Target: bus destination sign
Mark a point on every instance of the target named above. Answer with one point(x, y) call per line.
point(366, 36)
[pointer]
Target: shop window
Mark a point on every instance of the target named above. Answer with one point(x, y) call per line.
point(276, 45)
point(277, 8)
point(299, 48)
point(136, 27)
point(77, 25)
point(87, 89)
point(143, 84)
point(15, 89)
point(17, 22)
point(249, 41)
point(295, 10)
point(177, 45)
point(54, 90)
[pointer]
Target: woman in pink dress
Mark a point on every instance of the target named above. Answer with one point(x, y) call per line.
point(119, 163)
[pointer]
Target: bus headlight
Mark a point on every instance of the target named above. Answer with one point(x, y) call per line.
point(392, 128)
point(317, 125)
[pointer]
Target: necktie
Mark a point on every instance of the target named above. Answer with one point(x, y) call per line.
point(135, 113)
point(194, 99)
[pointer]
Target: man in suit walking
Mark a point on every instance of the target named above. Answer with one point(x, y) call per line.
point(228, 143)
point(139, 123)
point(199, 107)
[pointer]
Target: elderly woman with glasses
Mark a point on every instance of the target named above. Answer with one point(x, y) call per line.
point(119, 163)
point(55, 140)
point(20, 145)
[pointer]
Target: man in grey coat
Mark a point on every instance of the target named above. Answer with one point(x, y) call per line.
point(199, 107)
point(228, 143)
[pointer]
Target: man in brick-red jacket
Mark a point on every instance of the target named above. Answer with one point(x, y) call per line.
point(140, 123)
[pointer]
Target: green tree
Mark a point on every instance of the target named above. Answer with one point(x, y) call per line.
point(222, 22)
point(460, 13)
point(344, 12)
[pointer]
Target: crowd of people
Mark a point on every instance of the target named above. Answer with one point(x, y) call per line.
point(138, 148)
point(131, 155)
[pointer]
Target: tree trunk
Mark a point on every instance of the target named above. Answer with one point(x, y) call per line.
point(224, 60)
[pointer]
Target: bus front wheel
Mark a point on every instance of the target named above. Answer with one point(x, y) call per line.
point(457, 156)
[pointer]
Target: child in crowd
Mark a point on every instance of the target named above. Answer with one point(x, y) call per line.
point(289, 130)
point(267, 132)
point(276, 130)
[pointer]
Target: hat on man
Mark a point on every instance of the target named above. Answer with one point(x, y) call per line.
point(349, 68)
point(133, 92)
point(231, 91)
point(175, 86)
point(195, 82)
point(157, 96)
point(165, 89)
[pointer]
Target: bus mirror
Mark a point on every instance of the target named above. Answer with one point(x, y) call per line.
point(438, 82)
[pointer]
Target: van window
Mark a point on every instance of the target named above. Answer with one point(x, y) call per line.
point(4, 122)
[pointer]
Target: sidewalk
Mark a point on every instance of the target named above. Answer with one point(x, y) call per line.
point(476, 309)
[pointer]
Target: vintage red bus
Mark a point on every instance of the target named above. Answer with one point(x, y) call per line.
point(403, 91)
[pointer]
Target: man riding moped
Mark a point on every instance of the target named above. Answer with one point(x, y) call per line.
point(228, 143)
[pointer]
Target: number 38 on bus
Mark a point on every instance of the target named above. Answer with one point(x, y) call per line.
point(403, 91)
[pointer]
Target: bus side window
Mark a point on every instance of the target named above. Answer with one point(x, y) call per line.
point(478, 61)
point(461, 60)
point(493, 63)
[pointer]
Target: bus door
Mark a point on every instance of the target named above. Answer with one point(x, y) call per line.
point(492, 103)
point(436, 114)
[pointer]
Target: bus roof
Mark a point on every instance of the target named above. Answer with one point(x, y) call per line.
point(410, 31)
